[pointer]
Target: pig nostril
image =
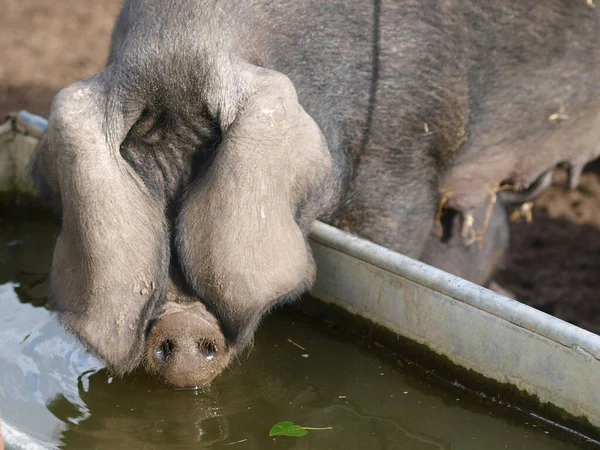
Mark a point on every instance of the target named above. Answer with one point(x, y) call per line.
point(208, 350)
point(163, 351)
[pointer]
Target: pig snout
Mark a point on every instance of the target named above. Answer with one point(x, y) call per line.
point(185, 347)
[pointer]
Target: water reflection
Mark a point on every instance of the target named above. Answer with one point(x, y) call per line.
point(51, 389)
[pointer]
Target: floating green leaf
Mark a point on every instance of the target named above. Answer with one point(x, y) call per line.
point(287, 428)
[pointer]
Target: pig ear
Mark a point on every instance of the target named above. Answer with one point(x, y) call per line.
point(110, 258)
point(242, 227)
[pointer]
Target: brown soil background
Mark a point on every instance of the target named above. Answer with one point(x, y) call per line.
point(554, 262)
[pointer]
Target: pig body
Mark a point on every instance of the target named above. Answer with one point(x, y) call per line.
point(191, 168)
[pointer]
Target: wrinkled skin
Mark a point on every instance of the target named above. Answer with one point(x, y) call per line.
point(187, 173)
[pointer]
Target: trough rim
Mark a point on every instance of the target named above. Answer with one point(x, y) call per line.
point(464, 291)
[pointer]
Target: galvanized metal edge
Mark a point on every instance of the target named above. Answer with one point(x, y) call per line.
point(464, 291)
point(30, 124)
point(473, 327)
point(18, 138)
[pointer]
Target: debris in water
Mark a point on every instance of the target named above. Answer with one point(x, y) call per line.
point(297, 345)
point(237, 442)
point(287, 428)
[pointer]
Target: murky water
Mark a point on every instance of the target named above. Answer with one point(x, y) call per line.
point(53, 391)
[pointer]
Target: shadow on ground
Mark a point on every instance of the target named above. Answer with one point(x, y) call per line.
point(554, 262)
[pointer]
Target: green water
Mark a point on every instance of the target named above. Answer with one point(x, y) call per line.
point(52, 390)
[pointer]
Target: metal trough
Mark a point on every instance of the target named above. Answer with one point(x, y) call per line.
point(495, 337)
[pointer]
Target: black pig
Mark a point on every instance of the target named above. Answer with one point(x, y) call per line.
point(187, 173)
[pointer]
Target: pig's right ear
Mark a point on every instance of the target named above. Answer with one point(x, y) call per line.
point(241, 231)
point(110, 260)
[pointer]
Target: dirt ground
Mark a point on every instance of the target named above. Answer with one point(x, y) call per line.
point(554, 262)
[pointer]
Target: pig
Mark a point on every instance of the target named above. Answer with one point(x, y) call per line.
point(186, 174)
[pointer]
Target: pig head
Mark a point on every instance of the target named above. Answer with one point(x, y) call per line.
point(150, 235)
point(187, 173)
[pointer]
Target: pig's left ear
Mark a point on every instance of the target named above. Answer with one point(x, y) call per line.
point(241, 232)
